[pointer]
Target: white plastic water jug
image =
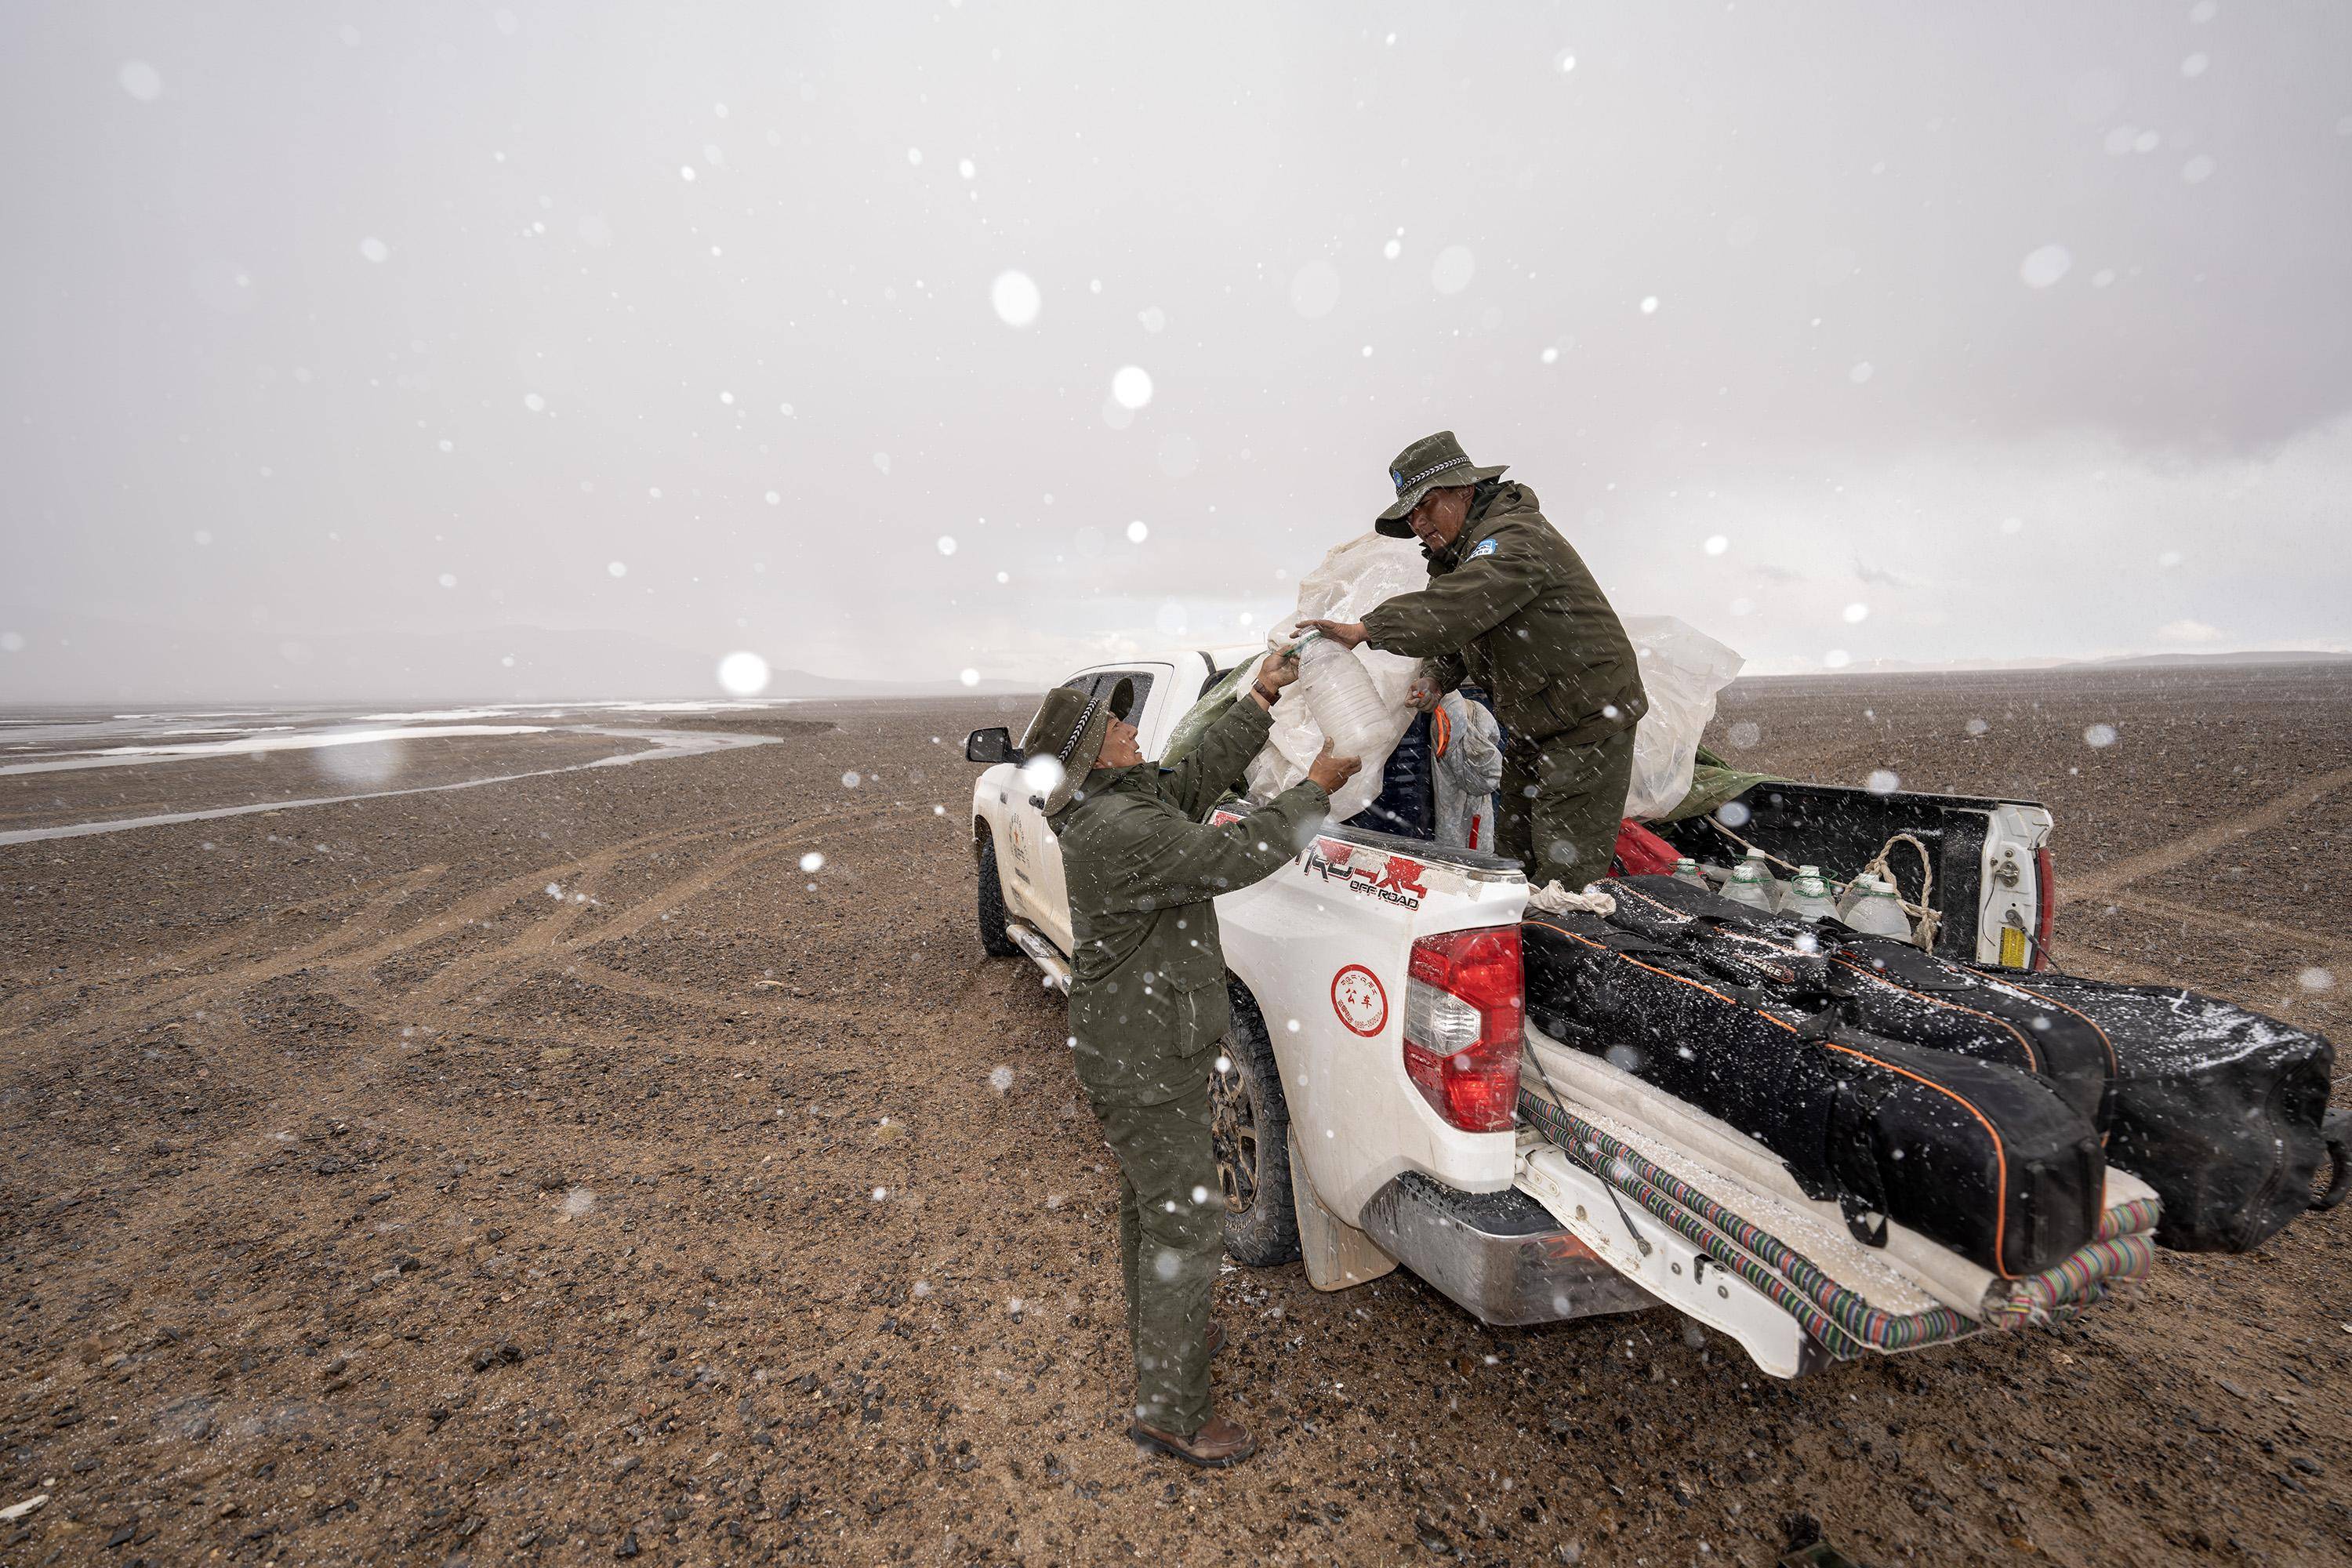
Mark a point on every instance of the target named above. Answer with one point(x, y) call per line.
point(1874, 909)
point(1686, 870)
point(1342, 697)
point(1750, 883)
point(1807, 895)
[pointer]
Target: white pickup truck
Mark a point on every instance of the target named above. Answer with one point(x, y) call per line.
point(1364, 1100)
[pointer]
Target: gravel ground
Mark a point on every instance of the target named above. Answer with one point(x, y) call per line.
point(557, 1171)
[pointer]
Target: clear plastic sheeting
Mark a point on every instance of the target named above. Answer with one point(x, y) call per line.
point(1350, 580)
point(1683, 669)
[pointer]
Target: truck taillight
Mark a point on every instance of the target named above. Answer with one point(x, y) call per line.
point(1464, 1004)
point(2045, 893)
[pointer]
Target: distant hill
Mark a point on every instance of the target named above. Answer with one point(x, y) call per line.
point(89, 659)
point(2253, 656)
point(2264, 657)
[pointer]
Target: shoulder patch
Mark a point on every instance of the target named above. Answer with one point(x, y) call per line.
point(1483, 547)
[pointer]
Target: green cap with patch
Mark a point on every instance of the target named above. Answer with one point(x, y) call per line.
point(1433, 462)
point(1070, 727)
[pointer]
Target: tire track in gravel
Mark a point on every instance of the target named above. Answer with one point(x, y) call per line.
point(176, 1211)
point(531, 951)
point(379, 897)
point(2302, 939)
point(334, 951)
point(2108, 881)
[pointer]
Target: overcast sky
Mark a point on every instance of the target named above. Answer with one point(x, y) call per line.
point(1861, 332)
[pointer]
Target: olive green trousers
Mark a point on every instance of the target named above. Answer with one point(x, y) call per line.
point(1172, 1235)
point(1560, 805)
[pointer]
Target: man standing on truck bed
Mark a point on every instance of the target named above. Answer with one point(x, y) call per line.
point(1147, 1000)
point(1510, 606)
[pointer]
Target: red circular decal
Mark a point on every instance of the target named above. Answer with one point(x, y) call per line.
point(1357, 997)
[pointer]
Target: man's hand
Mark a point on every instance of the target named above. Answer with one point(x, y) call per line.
point(1331, 772)
point(1274, 672)
point(1346, 634)
point(1422, 693)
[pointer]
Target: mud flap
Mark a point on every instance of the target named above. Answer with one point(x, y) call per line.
point(1337, 1256)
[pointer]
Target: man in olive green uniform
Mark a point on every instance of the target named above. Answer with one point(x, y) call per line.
point(1510, 606)
point(1148, 1000)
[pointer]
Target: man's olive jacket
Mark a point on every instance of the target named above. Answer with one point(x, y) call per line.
point(1510, 606)
point(1148, 990)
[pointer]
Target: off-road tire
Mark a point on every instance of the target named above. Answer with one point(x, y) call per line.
point(994, 940)
point(1250, 1127)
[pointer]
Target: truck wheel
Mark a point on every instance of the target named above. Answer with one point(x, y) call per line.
point(993, 942)
point(1249, 1128)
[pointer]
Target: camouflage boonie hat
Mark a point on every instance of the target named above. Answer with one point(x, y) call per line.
point(1070, 727)
point(1433, 462)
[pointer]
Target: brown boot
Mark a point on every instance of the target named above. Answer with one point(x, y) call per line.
point(1217, 1443)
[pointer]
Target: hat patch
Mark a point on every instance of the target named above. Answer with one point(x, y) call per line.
point(1396, 477)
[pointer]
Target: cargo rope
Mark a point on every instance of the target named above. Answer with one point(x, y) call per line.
point(1840, 1318)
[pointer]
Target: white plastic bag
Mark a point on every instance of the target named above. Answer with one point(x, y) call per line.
point(1682, 671)
point(1349, 580)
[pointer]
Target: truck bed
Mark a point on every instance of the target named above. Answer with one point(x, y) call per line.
point(1839, 828)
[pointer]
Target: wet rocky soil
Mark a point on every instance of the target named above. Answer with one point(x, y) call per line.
point(557, 1171)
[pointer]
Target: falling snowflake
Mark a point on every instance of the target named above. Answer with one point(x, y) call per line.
point(1315, 289)
point(1015, 297)
point(1451, 272)
point(1130, 386)
point(2043, 267)
point(812, 861)
point(743, 674)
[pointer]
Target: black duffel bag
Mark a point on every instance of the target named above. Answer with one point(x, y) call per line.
point(1983, 1158)
point(1881, 984)
point(2222, 1110)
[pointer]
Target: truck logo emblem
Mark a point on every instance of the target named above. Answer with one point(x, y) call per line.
point(1359, 1000)
point(1392, 879)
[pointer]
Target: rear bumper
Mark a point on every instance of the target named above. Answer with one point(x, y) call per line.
point(1500, 1256)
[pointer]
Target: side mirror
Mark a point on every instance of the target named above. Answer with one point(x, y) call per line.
point(991, 746)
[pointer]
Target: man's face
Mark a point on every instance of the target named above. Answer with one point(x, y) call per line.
point(1118, 747)
point(1439, 517)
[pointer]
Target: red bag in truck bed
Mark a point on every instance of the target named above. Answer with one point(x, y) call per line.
point(1641, 852)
